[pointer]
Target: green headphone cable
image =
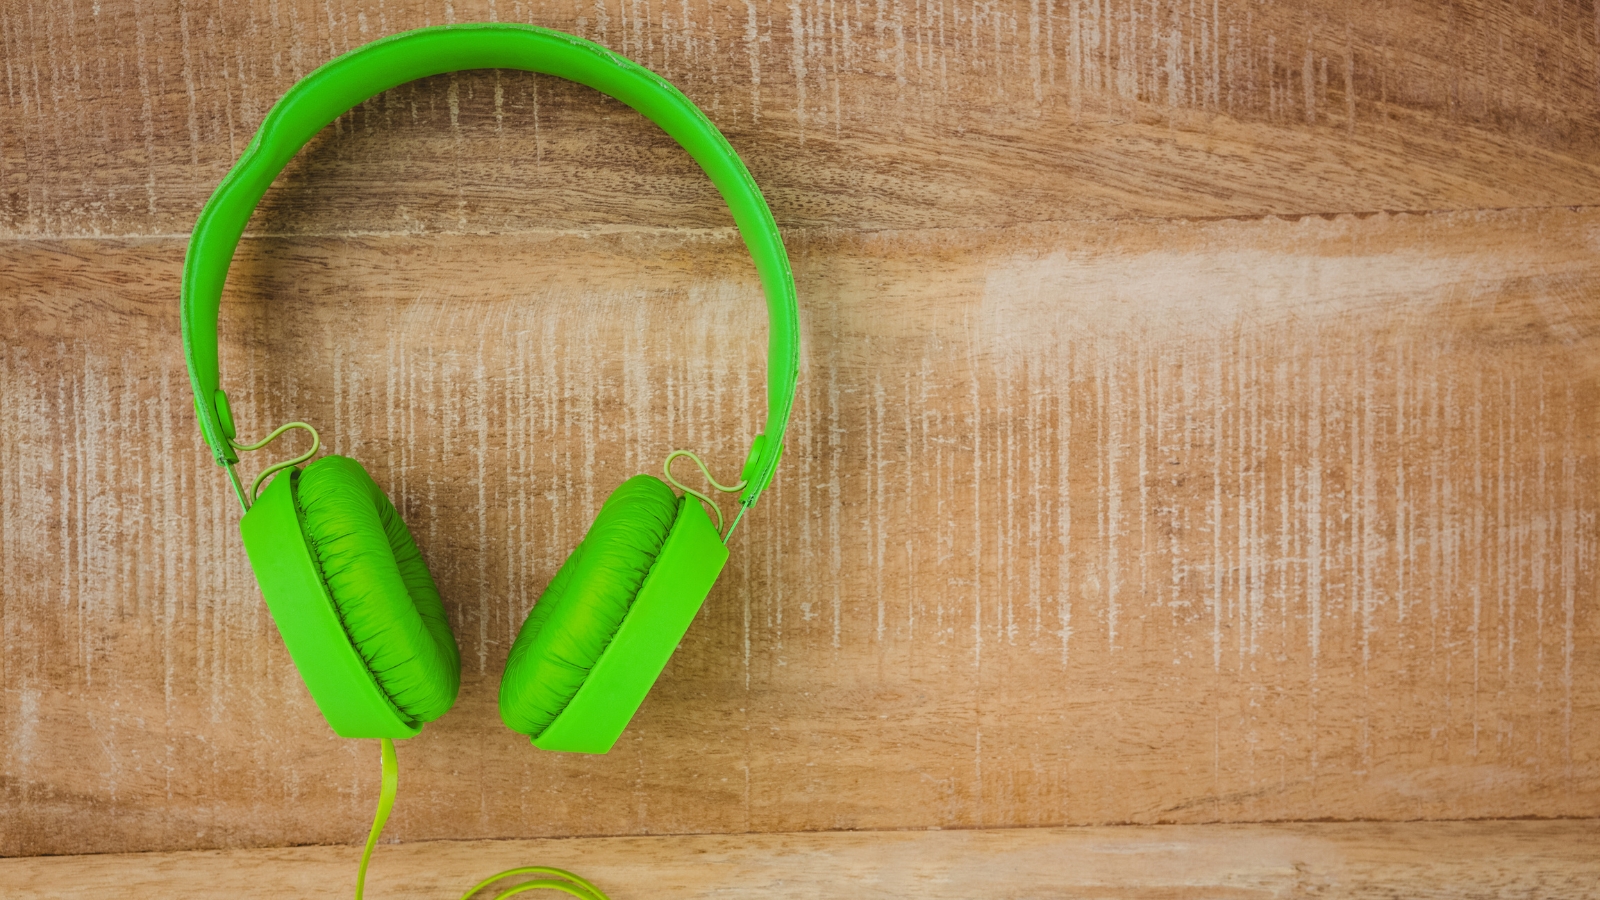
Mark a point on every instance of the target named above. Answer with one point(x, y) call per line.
point(666, 469)
point(391, 781)
point(255, 486)
point(564, 881)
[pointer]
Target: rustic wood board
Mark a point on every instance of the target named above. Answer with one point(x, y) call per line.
point(1141, 521)
point(1146, 518)
point(1553, 860)
point(120, 117)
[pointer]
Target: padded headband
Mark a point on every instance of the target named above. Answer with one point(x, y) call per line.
point(343, 83)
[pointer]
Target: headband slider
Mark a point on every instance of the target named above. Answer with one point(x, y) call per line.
point(225, 414)
point(217, 429)
point(757, 449)
point(759, 468)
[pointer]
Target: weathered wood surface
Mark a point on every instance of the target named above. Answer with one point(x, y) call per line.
point(120, 117)
point(1551, 860)
point(1161, 522)
point(1097, 509)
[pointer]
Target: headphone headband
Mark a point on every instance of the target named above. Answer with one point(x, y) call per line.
point(343, 83)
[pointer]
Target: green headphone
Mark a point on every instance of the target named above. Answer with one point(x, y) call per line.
point(349, 592)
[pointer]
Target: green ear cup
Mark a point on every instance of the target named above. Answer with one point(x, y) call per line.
point(577, 615)
point(672, 593)
point(385, 597)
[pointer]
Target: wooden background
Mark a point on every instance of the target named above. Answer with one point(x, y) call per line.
point(1197, 419)
point(1361, 860)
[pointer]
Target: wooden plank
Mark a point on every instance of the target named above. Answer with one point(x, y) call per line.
point(1218, 521)
point(1481, 859)
point(121, 117)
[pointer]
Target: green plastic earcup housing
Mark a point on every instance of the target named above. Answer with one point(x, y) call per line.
point(357, 609)
point(604, 629)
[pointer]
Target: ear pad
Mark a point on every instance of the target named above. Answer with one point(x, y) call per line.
point(385, 596)
point(578, 614)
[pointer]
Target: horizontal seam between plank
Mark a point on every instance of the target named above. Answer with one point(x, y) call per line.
point(798, 231)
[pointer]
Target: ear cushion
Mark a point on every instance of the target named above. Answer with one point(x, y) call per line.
point(380, 585)
point(579, 613)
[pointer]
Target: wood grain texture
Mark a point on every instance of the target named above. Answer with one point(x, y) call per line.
point(121, 117)
point(1554, 860)
point(1166, 521)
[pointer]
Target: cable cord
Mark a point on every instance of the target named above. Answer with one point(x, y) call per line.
point(255, 486)
point(564, 881)
point(666, 469)
point(391, 782)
